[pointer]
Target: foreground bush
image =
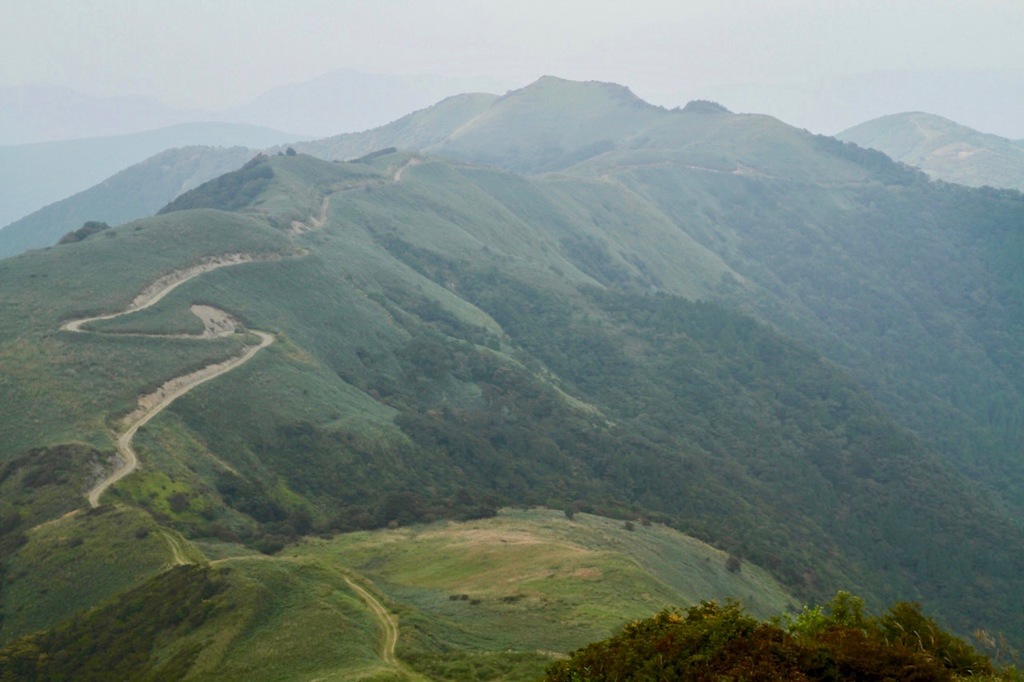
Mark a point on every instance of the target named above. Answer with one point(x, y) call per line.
point(713, 642)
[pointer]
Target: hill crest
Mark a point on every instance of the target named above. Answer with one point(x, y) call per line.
point(944, 149)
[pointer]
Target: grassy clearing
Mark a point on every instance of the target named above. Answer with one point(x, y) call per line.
point(493, 599)
point(497, 599)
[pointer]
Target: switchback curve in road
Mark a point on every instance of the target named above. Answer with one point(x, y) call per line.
point(152, 404)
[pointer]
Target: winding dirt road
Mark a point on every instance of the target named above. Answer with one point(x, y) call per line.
point(216, 322)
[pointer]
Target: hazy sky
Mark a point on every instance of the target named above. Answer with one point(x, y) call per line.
point(768, 55)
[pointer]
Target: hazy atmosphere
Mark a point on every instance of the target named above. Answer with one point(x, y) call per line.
point(824, 66)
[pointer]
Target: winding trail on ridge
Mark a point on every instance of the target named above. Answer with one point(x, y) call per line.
point(151, 404)
point(387, 620)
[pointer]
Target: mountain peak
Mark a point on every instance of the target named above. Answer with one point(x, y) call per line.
point(554, 84)
point(552, 124)
point(704, 106)
point(944, 149)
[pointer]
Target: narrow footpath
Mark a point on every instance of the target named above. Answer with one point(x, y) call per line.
point(387, 621)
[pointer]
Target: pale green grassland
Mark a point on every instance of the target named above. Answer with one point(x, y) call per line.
point(508, 593)
point(493, 599)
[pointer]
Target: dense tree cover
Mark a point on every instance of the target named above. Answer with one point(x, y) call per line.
point(912, 287)
point(718, 642)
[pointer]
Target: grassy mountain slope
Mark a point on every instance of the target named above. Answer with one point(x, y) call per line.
point(136, 192)
point(908, 286)
point(488, 599)
point(449, 339)
point(527, 130)
point(446, 344)
point(944, 149)
point(804, 223)
point(83, 381)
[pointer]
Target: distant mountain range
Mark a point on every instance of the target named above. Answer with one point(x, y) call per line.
point(135, 192)
point(35, 175)
point(944, 149)
point(826, 105)
point(31, 114)
point(347, 101)
point(336, 102)
point(55, 142)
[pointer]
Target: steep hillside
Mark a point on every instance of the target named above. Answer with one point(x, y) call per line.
point(944, 149)
point(136, 192)
point(907, 285)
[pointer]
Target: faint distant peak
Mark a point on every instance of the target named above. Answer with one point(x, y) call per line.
point(704, 106)
point(943, 148)
point(547, 85)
